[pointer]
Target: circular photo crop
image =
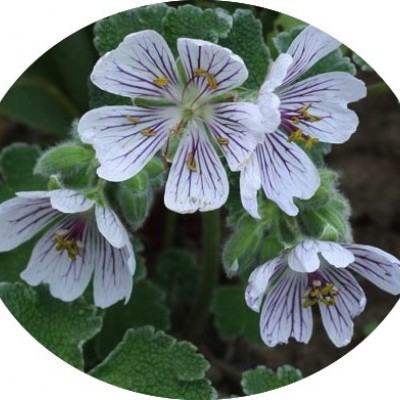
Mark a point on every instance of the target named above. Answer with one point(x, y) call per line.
point(199, 200)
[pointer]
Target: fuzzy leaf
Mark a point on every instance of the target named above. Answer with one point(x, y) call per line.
point(156, 364)
point(233, 319)
point(192, 22)
point(261, 379)
point(246, 40)
point(109, 32)
point(146, 307)
point(61, 327)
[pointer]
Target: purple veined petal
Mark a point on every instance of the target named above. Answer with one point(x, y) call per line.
point(126, 137)
point(141, 66)
point(237, 128)
point(114, 268)
point(211, 68)
point(260, 279)
point(250, 183)
point(40, 194)
point(69, 201)
point(377, 266)
point(283, 315)
point(197, 179)
point(110, 226)
point(21, 218)
point(276, 74)
point(66, 276)
point(286, 172)
point(326, 96)
point(350, 302)
point(310, 46)
point(335, 254)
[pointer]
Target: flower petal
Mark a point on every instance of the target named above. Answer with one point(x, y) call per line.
point(286, 172)
point(283, 315)
point(310, 46)
point(141, 66)
point(111, 227)
point(125, 137)
point(69, 201)
point(250, 183)
point(335, 254)
point(237, 128)
point(377, 266)
point(326, 96)
point(21, 218)
point(113, 273)
point(350, 302)
point(197, 180)
point(67, 278)
point(259, 280)
point(211, 68)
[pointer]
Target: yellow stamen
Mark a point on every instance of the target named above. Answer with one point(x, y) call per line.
point(316, 293)
point(212, 81)
point(223, 140)
point(307, 116)
point(310, 143)
point(200, 72)
point(161, 81)
point(72, 247)
point(148, 132)
point(134, 120)
point(191, 162)
point(297, 136)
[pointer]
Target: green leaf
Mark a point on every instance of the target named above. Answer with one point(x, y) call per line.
point(99, 98)
point(246, 40)
point(233, 319)
point(110, 31)
point(261, 379)
point(178, 274)
point(146, 307)
point(362, 63)
point(16, 165)
point(192, 22)
point(39, 104)
point(64, 157)
point(61, 327)
point(156, 364)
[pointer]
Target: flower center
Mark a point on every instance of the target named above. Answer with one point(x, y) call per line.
point(320, 291)
point(69, 239)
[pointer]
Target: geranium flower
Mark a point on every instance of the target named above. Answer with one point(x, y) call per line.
point(307, 111)
point(184, 104)
point(317, 273)
point(82, 238)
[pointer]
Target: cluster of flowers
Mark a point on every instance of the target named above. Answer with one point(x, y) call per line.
point(188, 110)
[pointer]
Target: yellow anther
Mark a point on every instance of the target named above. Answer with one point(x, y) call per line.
point(72, 247)
point(307, 116)
point(148, 132)
point(297, 136)
point(161, 81)
point(134, 120)
point(178, 129)
point(310, 142)
point(310, 303)
point(200, 72)
point(191, 162)
point(212, 81)
point(296, 120)
point(327, 289)
point(223, 140)
point(316, 293)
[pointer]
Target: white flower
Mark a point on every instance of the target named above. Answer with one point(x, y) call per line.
point(316, 272)
point(186, 106)
point(82, 238)
point(298, 110)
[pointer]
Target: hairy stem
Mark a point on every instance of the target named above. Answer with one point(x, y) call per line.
point(211, 239)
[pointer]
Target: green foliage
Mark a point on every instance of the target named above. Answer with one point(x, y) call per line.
point(109, 32)
point(99, 98)
point(178, 274)
point(156, 364)
point(246, 40)
point(261, 379)
point(146, 307)
point(233, 319)
point(362, 63)
point(40, 105)
point(192, 22)
point(61, 327)
point(64, 157)
point(16, 166)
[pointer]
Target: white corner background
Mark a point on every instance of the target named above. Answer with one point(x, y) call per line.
point(28, 29)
